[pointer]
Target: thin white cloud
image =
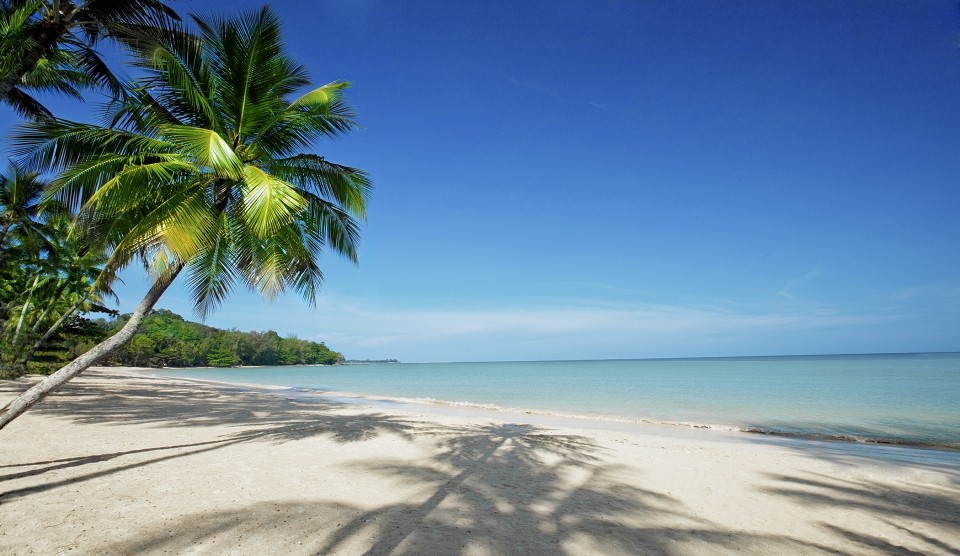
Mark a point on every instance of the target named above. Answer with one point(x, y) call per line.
point(581, 328)
point(787, 290)
point(945, 292)
point(608, 287)
point(356, 329)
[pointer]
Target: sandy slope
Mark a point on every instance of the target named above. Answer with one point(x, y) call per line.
point(123, 463)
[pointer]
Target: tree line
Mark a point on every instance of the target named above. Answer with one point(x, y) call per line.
point(165, 339)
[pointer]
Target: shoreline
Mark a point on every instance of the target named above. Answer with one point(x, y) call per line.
point(120, 461)
point(556, 418)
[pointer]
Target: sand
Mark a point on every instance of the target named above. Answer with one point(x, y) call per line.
point(124, 463)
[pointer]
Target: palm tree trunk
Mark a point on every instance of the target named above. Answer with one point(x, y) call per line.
point(40, 390)
point(23, 314)
point(51, 306)
point(50, 332)
point(46, 312)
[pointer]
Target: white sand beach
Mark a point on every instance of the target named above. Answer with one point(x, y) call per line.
point(125, 463)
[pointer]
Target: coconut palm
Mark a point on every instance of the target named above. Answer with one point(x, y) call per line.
point(208, 172)
point(24, 239)
point(49, 45)
point(21, 193)
point(47, 275)
point(58, 288)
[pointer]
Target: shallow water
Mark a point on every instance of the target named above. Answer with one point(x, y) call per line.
point(904, 398)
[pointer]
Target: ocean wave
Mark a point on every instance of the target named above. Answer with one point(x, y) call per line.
point(865, 438)
point(845, 437)
point(861, 437)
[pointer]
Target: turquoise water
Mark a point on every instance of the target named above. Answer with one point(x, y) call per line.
point(903, 399)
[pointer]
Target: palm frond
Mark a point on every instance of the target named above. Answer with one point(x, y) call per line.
point(125, 187)
point(318, 114)
point(268, 203)
point(178, 226)
point(327, 224)
point(207, 148)
point(177, 75)
point(25, 105)
point(96, 18)
point(95, 70)
point(206, 163)
point(349, 187)
point(138, 110)
point(211, 273)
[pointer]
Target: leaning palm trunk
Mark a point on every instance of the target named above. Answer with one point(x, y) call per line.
point(46, 312)
point(23, 314)
point(40, 390)
point(207, 166)
point(54, 328)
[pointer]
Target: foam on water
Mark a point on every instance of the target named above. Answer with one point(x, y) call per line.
point(888, 399)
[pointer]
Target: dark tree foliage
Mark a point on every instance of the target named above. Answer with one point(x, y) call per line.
point(48, 280)
point(51, 46)
point(165, 339)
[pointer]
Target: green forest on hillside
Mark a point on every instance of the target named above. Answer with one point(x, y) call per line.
point(165, 339)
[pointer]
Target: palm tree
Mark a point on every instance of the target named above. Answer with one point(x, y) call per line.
point(66, 283)
point(47, 275)
point(48, 45)
point(24, 243)
point(21, 193)
point(208, 173)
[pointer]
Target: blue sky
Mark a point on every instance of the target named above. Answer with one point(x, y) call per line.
point(605, 179)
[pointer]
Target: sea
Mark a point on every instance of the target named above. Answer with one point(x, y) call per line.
point(903, 399)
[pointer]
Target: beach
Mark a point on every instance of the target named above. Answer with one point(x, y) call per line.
point(122, 462)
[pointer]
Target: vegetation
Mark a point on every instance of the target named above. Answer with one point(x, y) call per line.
point(49, 46)
point(48, 278)
point(165, 339)
point(205, 169)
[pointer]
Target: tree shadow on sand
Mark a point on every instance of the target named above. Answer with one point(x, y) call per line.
point(929, 515)
point(163, 404)
point(942, 461)
point(123, 401)
point(491, 489)
point(488, 489)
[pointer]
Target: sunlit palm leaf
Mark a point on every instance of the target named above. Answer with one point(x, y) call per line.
point(269, 203)
point(207, 148)
point(209, 164)
point(349, 187)
point(212, 273)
